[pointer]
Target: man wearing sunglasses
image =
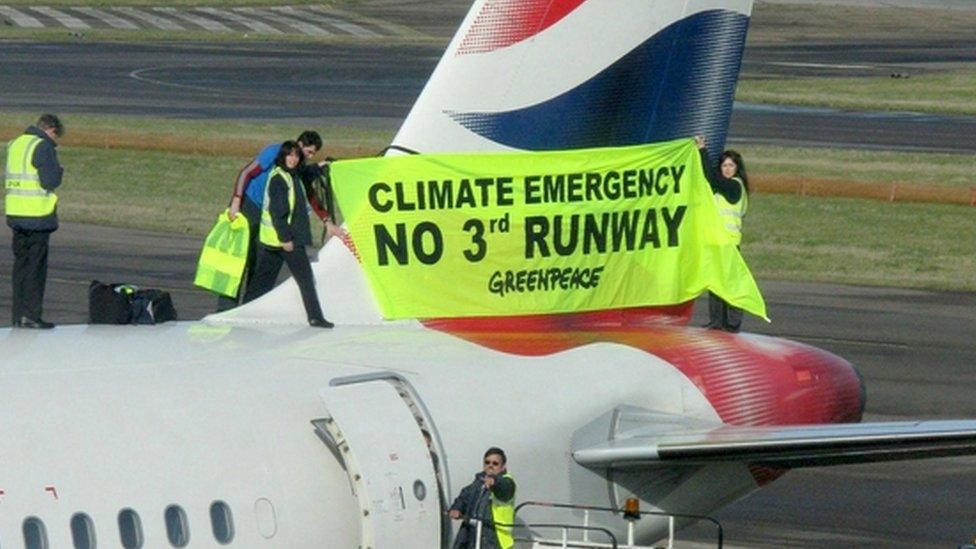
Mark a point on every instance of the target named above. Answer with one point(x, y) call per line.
point(490, 498)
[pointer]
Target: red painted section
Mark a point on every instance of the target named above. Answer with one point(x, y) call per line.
point(749, 380)
point(502, 23)
point(531, 334)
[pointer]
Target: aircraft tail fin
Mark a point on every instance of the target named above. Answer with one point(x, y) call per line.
point(567, 74)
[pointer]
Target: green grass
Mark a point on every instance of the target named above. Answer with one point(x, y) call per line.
point(861, 242)
point(146, 189)
point(861, 165)
point(206, 137)
point(950, 92)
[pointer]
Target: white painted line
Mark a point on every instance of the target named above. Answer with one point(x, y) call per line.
point(204, 22)
point(154, 20)
point(19, 18)
point(819, 65)
point(256, 26)
point(300, 26)
point(113, 21)
point(69, 21)
point(351, 28)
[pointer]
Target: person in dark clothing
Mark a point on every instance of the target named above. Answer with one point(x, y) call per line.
point(32, 174)
point(730, 184)
point(284, 233)
point(490, 498)
point(249, 195)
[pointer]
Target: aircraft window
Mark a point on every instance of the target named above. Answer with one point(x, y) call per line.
point(35, 536)
point(177, 529)
point(82, 531)
point(222, 522)
point(130, 529)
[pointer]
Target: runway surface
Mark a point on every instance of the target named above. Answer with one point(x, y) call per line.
point(376, 85)
point(914, 348)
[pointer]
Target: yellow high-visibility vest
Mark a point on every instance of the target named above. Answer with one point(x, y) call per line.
point(502, 515)
point(24, 195)
point(268, 235)
point(732, 214)
point(224, 255)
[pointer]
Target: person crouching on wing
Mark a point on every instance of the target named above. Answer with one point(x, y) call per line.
point(284, 233)
point(730, 186)
point(490, 498)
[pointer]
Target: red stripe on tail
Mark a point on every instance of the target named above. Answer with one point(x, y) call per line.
point(502, 23)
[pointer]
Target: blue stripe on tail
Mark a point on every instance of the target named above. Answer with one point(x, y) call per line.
point(678, 83)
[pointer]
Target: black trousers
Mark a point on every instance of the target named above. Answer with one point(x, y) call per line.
point(722, 315)
point(30, 273)
point(253, 215)
point(269, 262)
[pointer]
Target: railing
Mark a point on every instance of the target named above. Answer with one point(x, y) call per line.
point(565, 528)
point(630, 523)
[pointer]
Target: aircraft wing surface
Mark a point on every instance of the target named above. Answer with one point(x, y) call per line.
point(786, 446)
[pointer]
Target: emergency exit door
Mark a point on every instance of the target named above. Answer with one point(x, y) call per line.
point(388, 464)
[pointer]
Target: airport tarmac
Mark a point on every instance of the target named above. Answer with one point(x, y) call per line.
point(376, 85)
point(913, 347)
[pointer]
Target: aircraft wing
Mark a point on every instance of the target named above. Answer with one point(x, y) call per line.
point(786, 446)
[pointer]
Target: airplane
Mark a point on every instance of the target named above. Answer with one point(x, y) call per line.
point(250, 429)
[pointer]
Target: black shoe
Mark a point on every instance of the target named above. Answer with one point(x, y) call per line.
point(38, 324)
point(320, 323)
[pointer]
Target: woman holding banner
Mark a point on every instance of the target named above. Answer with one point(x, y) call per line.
point(730, 184)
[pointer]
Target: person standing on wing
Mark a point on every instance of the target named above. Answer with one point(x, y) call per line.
point(731, 187)
point(32, 174)
point(249, 195)
point(284, 233)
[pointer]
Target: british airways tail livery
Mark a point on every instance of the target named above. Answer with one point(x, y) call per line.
point(251, 429)
point(570, 74)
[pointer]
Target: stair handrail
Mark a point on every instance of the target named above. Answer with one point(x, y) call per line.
point(480, 525)
point(718, 526)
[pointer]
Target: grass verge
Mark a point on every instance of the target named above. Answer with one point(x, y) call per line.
point(860, 241)
point(861, 165)
point(950, 93)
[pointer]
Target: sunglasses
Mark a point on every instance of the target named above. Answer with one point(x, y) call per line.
point(490, 462)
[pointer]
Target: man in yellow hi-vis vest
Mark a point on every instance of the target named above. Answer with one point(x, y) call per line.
point(32, 174)
point(490, 498)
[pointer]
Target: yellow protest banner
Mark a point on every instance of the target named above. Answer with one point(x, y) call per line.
point(448, 235)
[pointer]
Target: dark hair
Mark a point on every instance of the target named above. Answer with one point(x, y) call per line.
point(309, 137)
point(740, 170)
point(51, 122)
point(287, 148)
point(496, 451)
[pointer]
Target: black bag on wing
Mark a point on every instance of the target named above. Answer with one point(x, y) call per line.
point(152, 307)
point(128, 304)
point(107, 304)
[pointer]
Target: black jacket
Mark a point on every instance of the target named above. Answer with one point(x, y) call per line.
point(298, 231)
point(729, 188)
point(45, 159)
point(474, 501)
